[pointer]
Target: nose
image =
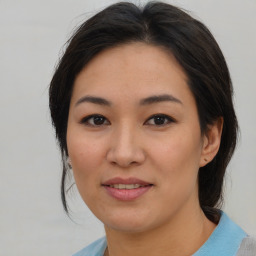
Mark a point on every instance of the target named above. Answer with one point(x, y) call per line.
point(125, 149)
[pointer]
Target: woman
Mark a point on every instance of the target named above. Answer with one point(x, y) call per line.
point(142, 106)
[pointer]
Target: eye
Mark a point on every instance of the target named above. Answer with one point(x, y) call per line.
point(159, 120)
point(94, 120)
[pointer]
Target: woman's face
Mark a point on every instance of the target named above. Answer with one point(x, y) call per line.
point(134, 138)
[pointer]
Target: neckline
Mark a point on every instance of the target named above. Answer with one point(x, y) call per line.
point(224, 240)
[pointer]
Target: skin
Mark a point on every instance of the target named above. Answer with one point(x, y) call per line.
point(128, 142)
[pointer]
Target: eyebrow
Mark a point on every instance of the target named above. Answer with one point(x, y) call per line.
point(146, 101)
point(94, 100)
point(159, 98)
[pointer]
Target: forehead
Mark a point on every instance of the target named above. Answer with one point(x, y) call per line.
point(132, 70)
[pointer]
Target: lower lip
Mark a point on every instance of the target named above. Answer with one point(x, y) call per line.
point(127, 194)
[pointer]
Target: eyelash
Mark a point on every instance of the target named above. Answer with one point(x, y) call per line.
point(166, 117)
point(86, 120)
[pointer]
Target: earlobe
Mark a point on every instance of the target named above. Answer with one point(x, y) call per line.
point(211, 142)
point(69, 162)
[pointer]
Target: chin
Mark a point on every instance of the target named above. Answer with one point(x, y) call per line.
point(127, 227)
point(129, 223)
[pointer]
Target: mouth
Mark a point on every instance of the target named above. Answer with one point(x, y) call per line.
point(126, 189)
point(127, 186)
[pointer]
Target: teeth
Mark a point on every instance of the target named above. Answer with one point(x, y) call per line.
point(126, 186)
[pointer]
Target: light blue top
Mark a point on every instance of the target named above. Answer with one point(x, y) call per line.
point(97, 248)
point(224, 241)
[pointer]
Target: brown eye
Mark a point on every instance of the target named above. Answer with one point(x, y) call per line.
point(159, 120)
point(95, 120)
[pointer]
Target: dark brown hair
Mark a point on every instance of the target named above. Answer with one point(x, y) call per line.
point(193, 46)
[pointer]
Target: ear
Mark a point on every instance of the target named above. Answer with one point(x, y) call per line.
point(211, 142)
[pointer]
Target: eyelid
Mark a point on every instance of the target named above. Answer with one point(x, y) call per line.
point(169, 118)
point(85, 120)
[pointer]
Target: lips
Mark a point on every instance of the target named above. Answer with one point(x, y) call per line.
point(130, 180)
point(126, 189)
point(126, 186)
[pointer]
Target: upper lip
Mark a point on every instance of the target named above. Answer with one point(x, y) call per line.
point(131, 180)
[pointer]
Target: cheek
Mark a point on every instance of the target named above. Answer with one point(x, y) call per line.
point(85, 154)
point(178, 158)
point(86, 158)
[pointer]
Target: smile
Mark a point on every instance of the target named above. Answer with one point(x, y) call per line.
point(126, 186)
point(126, 189)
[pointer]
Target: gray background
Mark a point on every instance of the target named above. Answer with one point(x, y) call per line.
point(32, 221)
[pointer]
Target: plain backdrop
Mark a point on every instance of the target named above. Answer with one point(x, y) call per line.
point(32, 34)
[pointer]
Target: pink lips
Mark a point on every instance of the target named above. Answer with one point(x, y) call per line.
point(126, 194)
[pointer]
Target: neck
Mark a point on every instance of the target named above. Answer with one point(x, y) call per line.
point(183, 235)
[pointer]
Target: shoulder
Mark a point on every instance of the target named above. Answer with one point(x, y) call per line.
point(247, 247)
point(225, 239)
point(96, 248)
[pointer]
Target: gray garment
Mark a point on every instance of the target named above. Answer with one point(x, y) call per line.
point(247, 247)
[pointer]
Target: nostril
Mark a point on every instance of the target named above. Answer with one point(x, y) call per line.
point(125, 156)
